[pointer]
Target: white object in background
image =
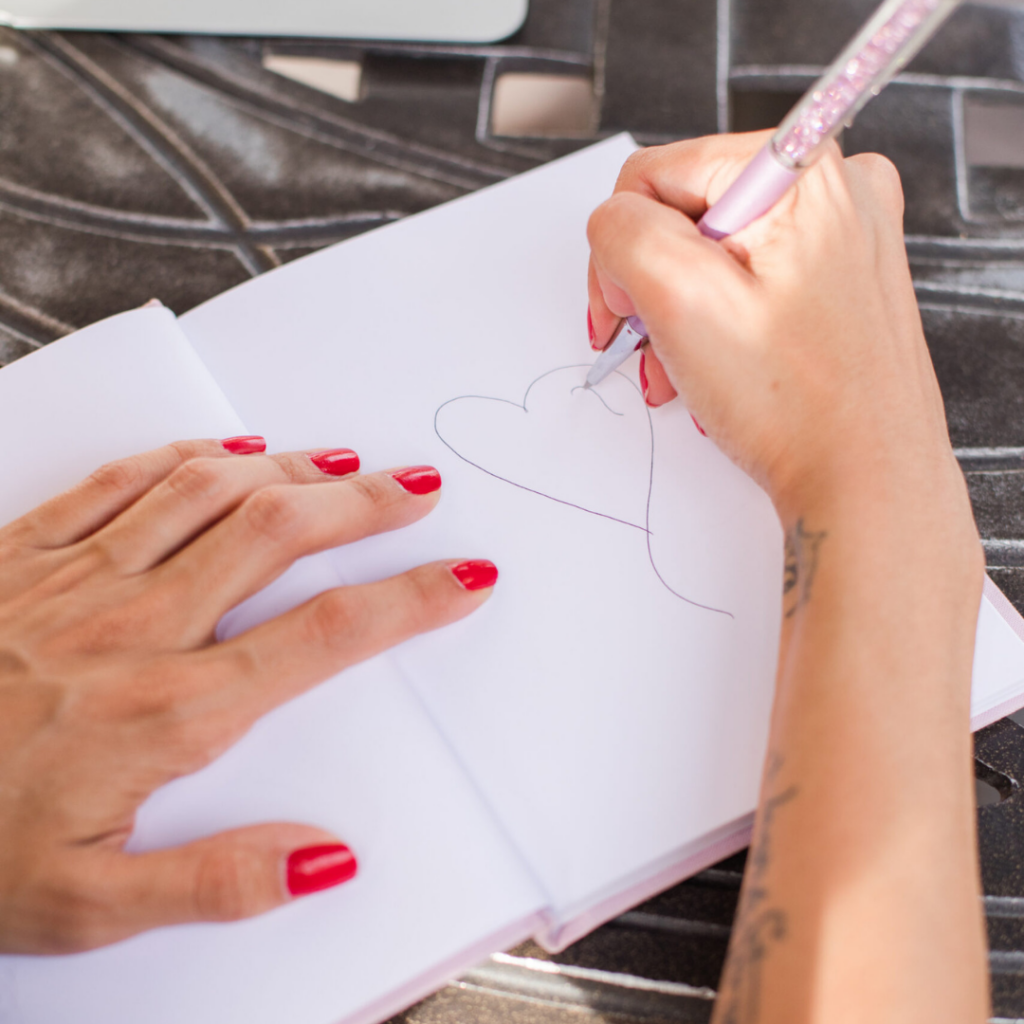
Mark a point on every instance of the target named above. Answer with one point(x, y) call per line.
point(478, 21)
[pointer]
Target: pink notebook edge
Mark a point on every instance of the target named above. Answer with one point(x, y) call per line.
point(730, 839)
point(435, 978)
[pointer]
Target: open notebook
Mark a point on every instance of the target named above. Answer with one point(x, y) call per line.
point(591, 736)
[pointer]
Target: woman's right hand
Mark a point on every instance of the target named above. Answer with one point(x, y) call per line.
point(796, 343)
point(112, 684)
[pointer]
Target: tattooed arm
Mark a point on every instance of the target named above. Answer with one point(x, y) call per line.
point(798, 346)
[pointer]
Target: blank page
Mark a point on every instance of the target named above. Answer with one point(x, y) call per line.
point(612, 699)
point(83, 401)
point(438, 884)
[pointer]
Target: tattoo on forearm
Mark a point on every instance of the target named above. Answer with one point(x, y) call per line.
point(802, 547)
point(760, 924)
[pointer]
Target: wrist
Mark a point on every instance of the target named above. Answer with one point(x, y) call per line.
point(907, 527)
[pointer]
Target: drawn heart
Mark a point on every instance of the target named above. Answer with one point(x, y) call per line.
point(589, 449)
point(592, 450)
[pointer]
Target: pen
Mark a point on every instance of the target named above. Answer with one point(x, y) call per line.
point(891, 37)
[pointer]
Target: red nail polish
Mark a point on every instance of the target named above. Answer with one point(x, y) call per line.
point(590, 329)
point(476, 574)
point(248, 444)
point(643, 374)
point(320, 867)
point(419, 479)
point(337, 462)
point(697, 425)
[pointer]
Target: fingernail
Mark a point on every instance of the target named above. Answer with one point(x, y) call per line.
point(476, 574)
point(418, 479)
point(337, 462)
point(697, 425)
point(643, 374)
point(249, 444)
point(590, 330)
point(314, 868)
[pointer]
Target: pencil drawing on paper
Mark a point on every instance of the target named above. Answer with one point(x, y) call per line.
point(622, 507)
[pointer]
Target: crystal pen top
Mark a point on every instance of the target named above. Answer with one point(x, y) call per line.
point(898, 29)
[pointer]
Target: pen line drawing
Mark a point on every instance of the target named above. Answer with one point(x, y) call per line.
point(599, 397)
point(646, 528)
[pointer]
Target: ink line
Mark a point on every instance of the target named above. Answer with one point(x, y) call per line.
point(561, 501)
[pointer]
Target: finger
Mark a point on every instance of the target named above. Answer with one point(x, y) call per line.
point(638, 244)
point(111, 489)
point(277, 525)
point(654, 380)
point(200, 493)
point(602, 323)
point(226, 877)
point(261, 669)
point(691, 175)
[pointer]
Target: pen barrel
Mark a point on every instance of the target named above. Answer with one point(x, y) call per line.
point(761, 185)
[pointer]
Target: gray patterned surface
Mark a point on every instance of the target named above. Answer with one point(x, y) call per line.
point(135, 166)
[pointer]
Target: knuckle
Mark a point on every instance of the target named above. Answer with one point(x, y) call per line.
point(421, 590)
point(274, 513)
point(78, 930)
point(887, 180)
point(833, 153)
point(125, 475)
point(635, 165)
point(232, 883)
point(297, 468)
point(606, 217)
point(882, 178)
point(334, 618)
point(197, 479)
point(73, 914)
point(185, 450)
point(373, 491)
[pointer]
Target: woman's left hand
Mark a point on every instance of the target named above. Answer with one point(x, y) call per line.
point(112, 684)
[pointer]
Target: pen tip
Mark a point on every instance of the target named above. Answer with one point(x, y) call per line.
point(587, 385)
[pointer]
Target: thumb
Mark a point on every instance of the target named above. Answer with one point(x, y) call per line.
point(229, 876)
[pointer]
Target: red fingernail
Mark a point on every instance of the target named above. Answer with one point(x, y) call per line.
point(419, 479)
point(320, 867)
point(337, 462)
point(476, 574)
point(248, 444)
point(643, 374)
point(590, 329)
point(697, 425)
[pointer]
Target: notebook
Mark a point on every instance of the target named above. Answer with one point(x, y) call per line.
point(591, 736)
point(482, 21)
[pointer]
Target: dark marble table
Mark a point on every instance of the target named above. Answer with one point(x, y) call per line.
point(140, 166)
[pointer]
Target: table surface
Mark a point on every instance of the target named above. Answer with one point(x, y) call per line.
point(141, 166)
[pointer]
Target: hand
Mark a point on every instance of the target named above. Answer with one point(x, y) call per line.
point(111, 682)
point(797, 343)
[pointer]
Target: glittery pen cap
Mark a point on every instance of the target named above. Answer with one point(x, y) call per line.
point(877, 54)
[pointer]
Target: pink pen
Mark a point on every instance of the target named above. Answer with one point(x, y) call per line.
point(896, 31)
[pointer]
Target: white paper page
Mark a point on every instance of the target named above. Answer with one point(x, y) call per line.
point(607, 721)
point(77, 404)
point(998, 660)
point(437, 884)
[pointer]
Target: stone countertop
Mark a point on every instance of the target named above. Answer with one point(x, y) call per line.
point(140, 166)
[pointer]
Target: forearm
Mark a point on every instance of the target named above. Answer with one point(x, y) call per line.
point(861, 898)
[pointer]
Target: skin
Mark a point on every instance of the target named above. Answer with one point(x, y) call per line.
point(111, 683)
point(798, 346)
